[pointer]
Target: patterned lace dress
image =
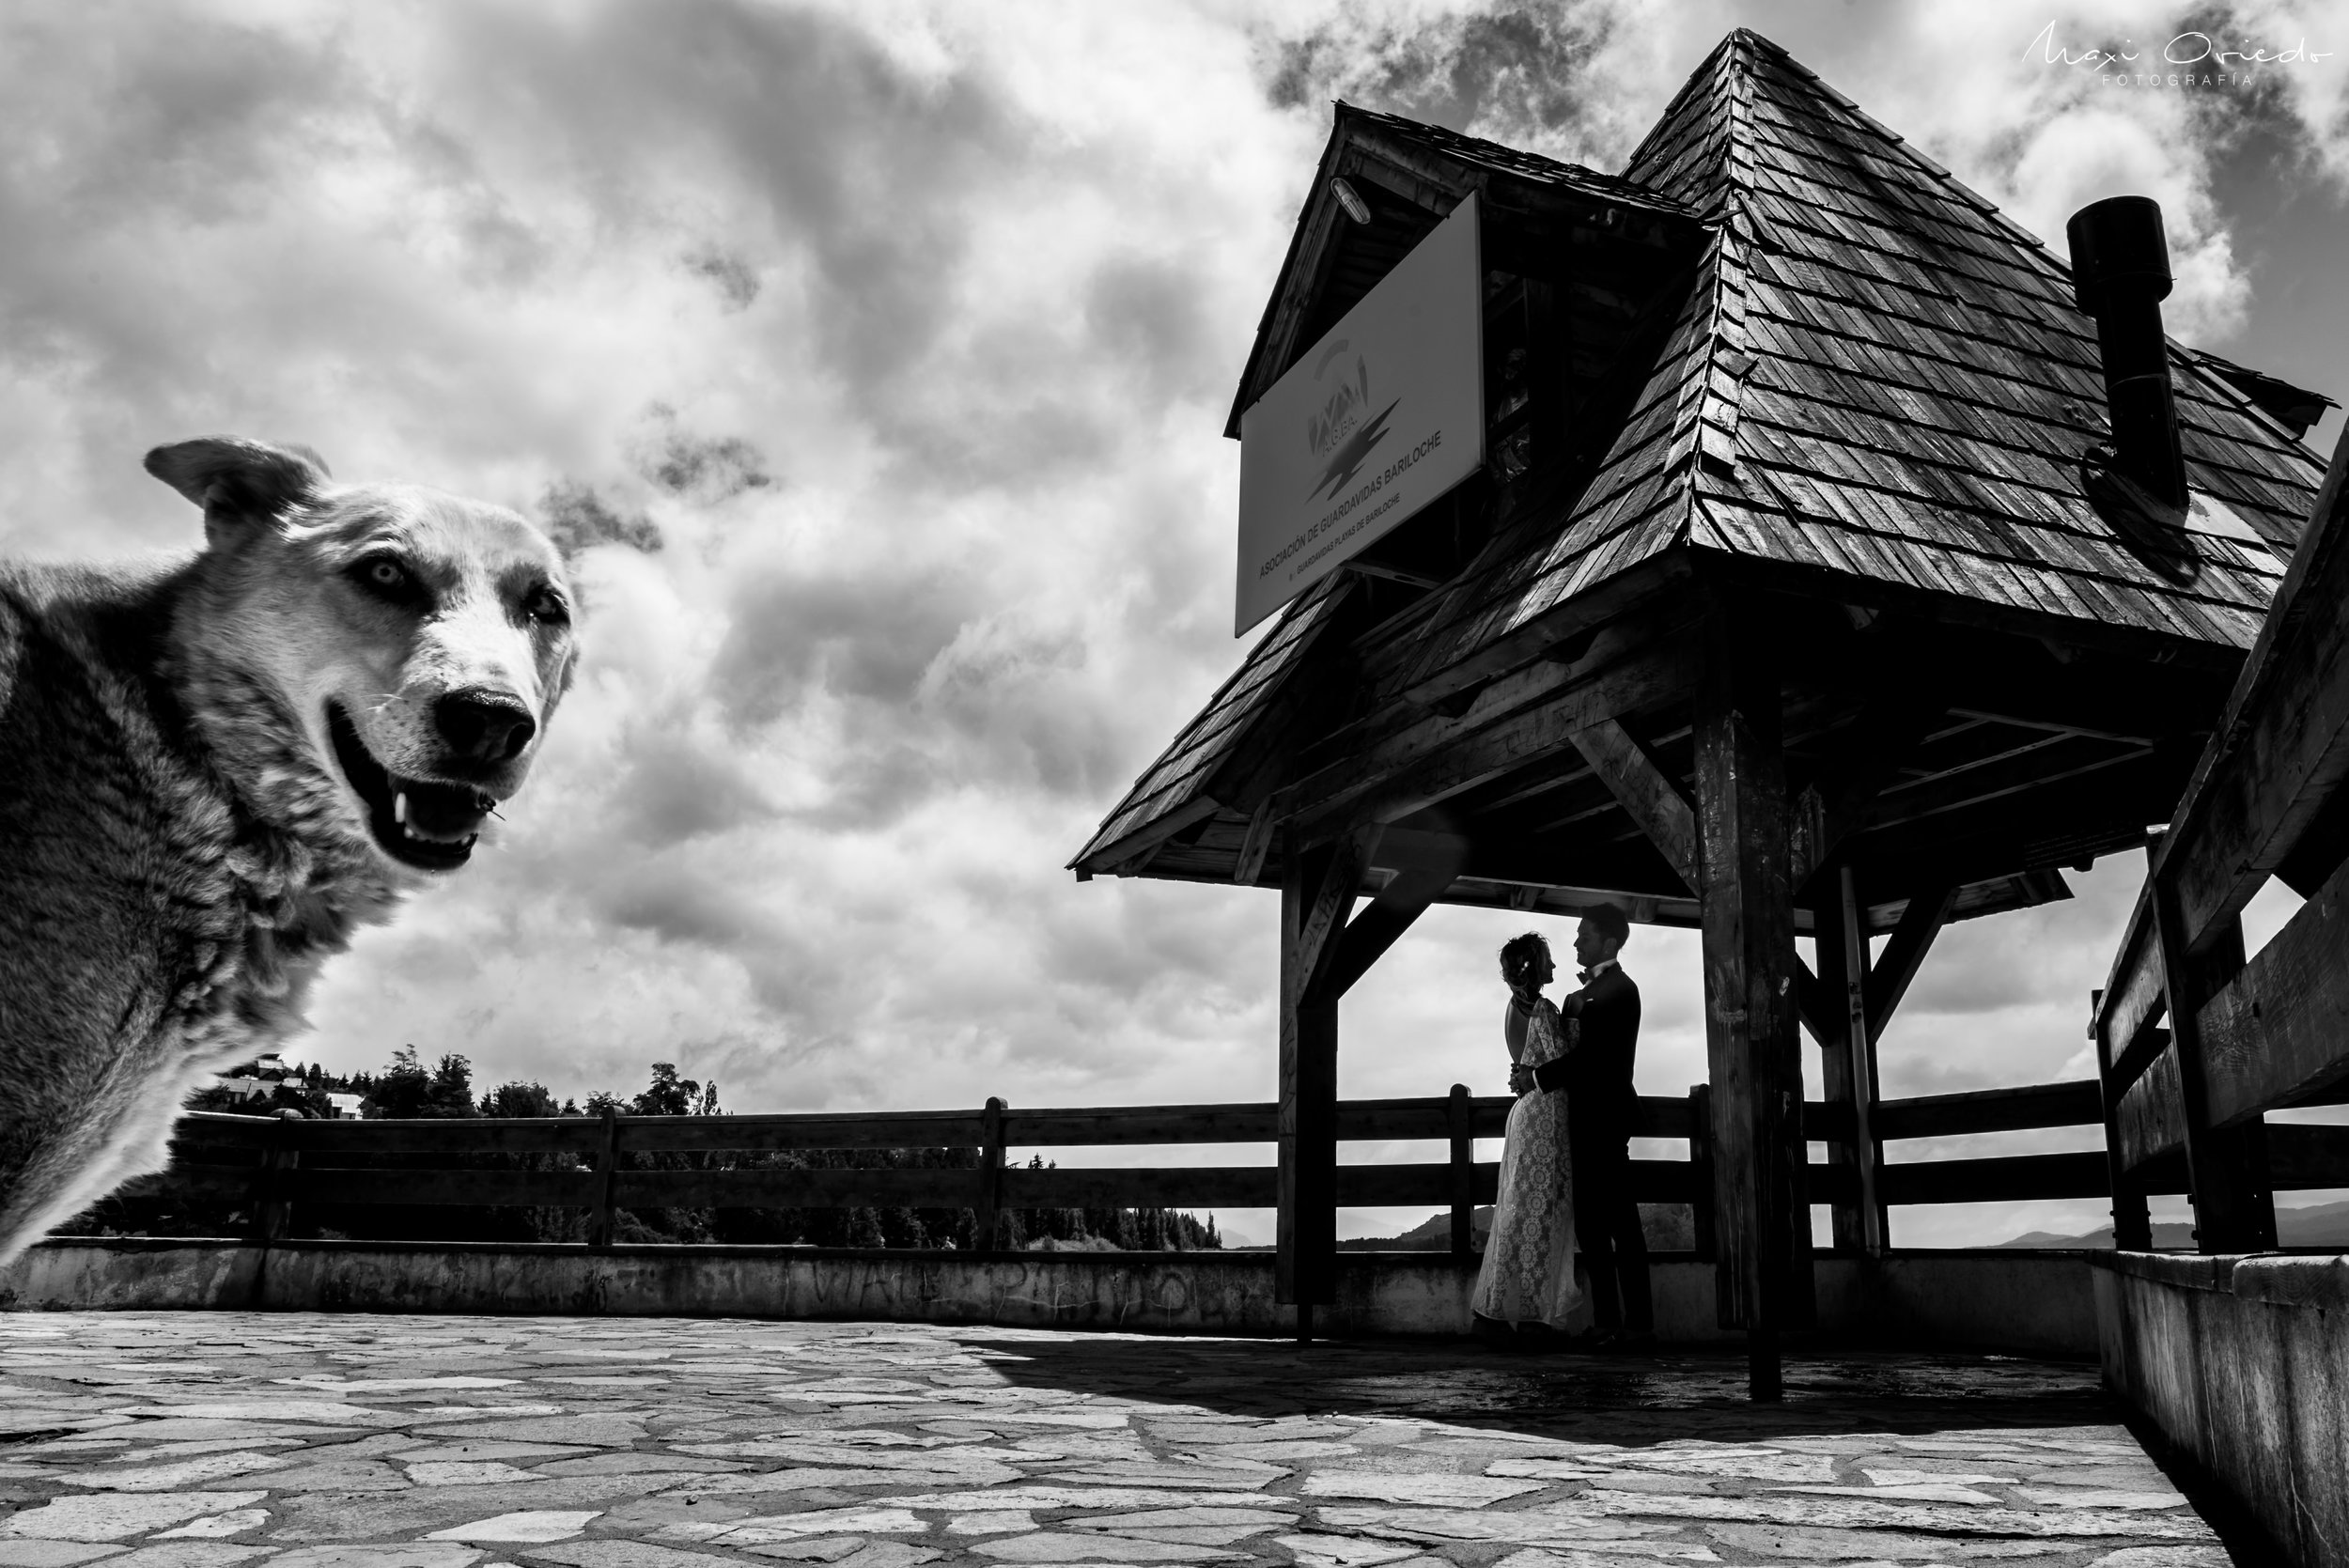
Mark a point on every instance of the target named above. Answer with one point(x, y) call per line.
point(1527, 1274)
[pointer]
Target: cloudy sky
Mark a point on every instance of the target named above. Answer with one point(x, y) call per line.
point(875, 357)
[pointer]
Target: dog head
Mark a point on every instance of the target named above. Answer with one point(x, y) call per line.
point(419, 642)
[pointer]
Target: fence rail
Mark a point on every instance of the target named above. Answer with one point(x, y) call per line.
point(274, 1164)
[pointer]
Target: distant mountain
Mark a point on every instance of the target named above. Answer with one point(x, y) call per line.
point(2315, 1225)
point(1670, 1227)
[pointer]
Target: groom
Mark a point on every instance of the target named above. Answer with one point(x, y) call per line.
point(1600, 1108)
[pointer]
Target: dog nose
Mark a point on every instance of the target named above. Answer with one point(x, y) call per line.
point(482, 726)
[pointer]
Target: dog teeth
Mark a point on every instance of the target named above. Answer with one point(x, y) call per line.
point(400, 810)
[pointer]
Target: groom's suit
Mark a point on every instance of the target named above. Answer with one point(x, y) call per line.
point(1600, 1105)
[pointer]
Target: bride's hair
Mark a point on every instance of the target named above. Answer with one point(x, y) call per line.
point(1517, 954)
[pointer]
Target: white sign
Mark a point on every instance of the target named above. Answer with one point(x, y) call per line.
point(1380, 417)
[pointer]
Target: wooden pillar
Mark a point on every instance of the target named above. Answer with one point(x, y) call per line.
point(2132, 1219)
point(273, 1214)
point(1860, 1028)
point(1846, 1062)
point(1317, 889)
point(986, 1213)
point(2234, 1210)
point(1763, 1243)
point(607, 1162)
point(1459, 1119)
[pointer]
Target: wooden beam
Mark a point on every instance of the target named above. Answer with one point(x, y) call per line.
point(1647, 794)
point(2131, 1220)
point(1516, 720)
point(1905, 952)
point(2287, 735)
point(2234, 1210)
point(1317, 889)
point(1763, 1234)
point(2280, 1032)
point(2151, 1117)
point(1368, 935)
point(1865, 759)
point(1870, 1223)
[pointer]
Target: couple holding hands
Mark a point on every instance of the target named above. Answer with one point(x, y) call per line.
point(1565, 1169)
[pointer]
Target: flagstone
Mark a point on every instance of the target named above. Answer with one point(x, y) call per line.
point(192, 1554)
point(2165, 1557)
point(1439, 1488)
point(465, 1472)
point(619, 1553)
point(1343, 1551)
point(636, 1463)
point(2058, 1497)
point(233, 1523)
point(1957, 1476)
point(177, 1476)
point(409, 1554)
point(1058, 1496)
point(595, 1431)
point(1049, 1547)
point(23, 1553)
point(411, 1452)
point(1861, 1513)
point(361, 1475)
point(799, 1476)
point(822, 1521)
point(275, 1411)
point(541, 1526)
point(994, 1521)
point(1915, 1491)
point(114, 1515)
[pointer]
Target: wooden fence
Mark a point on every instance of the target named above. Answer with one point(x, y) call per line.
point(2186, 1104)
point(273, 1164)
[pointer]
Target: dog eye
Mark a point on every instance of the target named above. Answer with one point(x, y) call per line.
point(386, 577)
point(545, 604)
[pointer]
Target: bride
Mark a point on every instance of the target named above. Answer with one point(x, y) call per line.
point(1527, 1273)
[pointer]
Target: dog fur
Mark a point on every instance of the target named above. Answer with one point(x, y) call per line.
point(186, 832)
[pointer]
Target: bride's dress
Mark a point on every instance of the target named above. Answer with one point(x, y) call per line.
point(1527, 1274)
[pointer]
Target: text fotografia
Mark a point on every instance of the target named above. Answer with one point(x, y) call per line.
point(2187, 60)
point(1338, 513)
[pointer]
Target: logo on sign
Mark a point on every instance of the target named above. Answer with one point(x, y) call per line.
point(1342, 432)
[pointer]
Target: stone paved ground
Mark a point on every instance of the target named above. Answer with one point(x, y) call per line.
point(306, 1440)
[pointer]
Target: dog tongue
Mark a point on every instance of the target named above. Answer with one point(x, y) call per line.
point(443, 812)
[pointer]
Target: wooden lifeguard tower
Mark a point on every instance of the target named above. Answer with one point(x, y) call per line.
point(1808, 588)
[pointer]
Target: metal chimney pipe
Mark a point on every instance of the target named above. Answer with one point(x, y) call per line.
point(2119, 275)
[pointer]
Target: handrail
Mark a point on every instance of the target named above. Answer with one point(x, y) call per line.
point(286, 1160)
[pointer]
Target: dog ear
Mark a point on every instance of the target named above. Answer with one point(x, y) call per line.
point(237, 481)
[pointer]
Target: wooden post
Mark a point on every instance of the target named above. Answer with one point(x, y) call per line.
point(1701, 1167)
point(990, 1175)
point(1317, 889)
point(2131, 1220)
point(274, 1213)
point(1859, 1029)
point(1761, 1275)
point(1459, 1118)
point(607, 1159)
point(2234, 1211)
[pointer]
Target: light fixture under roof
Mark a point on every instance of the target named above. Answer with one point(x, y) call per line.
point(1351, 199)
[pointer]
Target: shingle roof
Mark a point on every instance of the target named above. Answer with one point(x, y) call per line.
point(1873, 375)
point(1878, 375)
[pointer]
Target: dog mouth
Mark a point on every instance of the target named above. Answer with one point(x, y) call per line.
point(429, 826)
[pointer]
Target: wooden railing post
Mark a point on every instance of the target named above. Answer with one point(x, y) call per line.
point(1460, 1117)
point(1701, 1167)
point(607, 1161)
point(2233, 1209)
point(274, 1211)
point(2132, 1219)
point(989, 1206)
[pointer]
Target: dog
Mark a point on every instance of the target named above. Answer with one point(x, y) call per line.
point(213, 771)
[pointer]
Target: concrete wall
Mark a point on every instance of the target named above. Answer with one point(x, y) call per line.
point(2243, 1363)
point(2012, 1300)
